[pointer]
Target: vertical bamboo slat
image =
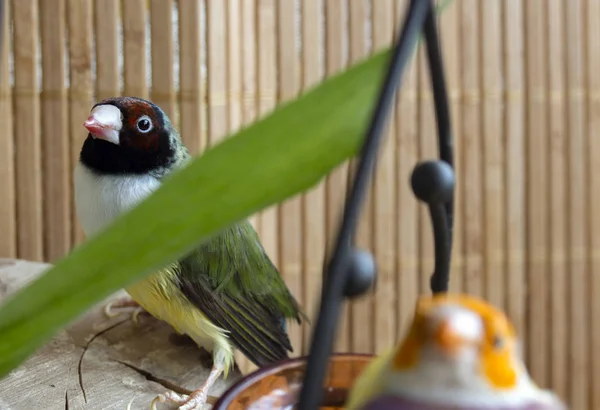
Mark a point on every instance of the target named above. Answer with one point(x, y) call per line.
point(234, 65)
point(514, 135)
point(407, 223)
point(266, 30)
point(106, 18)
point(558, 336)
point(472, 183)
point(384, 203)
point(362, 326)
point(335, 30)
point(493, 155)
point(235, 71)
point(577, 192)
point(27, 131)
point(216, 40)
point(450, 43)
point(249, 112)
point(593, 155)
point(134, 48)
point(290, 212)
point(191, 103)
point(216, 44)
point(81, 88)
point(216, 59)
point(248, 14)
point(313, 205)
point(8, 240)
point(161, 32)
point(55, 139)
point(537, 208)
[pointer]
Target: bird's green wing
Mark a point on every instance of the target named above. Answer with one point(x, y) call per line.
point(234, 283)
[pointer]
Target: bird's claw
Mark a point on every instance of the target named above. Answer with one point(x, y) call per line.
point(169, 396)
point(136, 314)
point(123, 303)
point(107, 311)
point(195, 401)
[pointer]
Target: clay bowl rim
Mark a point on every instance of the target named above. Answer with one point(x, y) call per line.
point(225, 399)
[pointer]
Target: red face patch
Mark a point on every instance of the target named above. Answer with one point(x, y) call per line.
point(141, 127)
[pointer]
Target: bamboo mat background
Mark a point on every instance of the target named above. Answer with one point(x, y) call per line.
point(525, 95)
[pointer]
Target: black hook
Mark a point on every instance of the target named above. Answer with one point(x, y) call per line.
point(433, 183)
point(351, 272)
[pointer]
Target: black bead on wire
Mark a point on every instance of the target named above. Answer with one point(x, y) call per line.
point(351, 272)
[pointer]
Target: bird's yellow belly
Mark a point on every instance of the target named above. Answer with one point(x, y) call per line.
point(159, 296)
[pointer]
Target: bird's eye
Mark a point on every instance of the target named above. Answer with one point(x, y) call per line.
point(144, 124)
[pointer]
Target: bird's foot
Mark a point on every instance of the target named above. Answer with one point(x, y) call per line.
point(196, 400)
point(124, 303)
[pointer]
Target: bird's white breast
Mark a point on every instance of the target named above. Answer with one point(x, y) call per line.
point(99, 199)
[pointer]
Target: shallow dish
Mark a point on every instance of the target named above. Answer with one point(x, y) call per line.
point(278, 386)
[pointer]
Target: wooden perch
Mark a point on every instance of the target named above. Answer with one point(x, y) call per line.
point(101, 363)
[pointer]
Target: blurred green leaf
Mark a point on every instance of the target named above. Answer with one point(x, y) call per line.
point(285, 153)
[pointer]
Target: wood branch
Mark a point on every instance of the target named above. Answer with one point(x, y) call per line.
point(101, 363)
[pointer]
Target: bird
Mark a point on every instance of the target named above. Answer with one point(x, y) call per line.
point(226, 293)
point(460, 352)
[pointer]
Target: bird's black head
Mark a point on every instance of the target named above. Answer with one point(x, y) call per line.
point(128, 135)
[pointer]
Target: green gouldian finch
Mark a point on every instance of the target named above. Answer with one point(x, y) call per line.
point(459, 353)
point(226, 294)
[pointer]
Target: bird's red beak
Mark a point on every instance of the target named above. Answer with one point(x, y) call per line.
point(96, 128)
point(93, 126)
point(104, 123)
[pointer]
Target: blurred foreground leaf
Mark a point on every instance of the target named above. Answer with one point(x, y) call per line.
point(287, 152)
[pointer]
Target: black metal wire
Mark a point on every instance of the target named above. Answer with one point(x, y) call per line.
point(441, 236)
point(442, 108)
point(442, 224)
point(340, 263)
